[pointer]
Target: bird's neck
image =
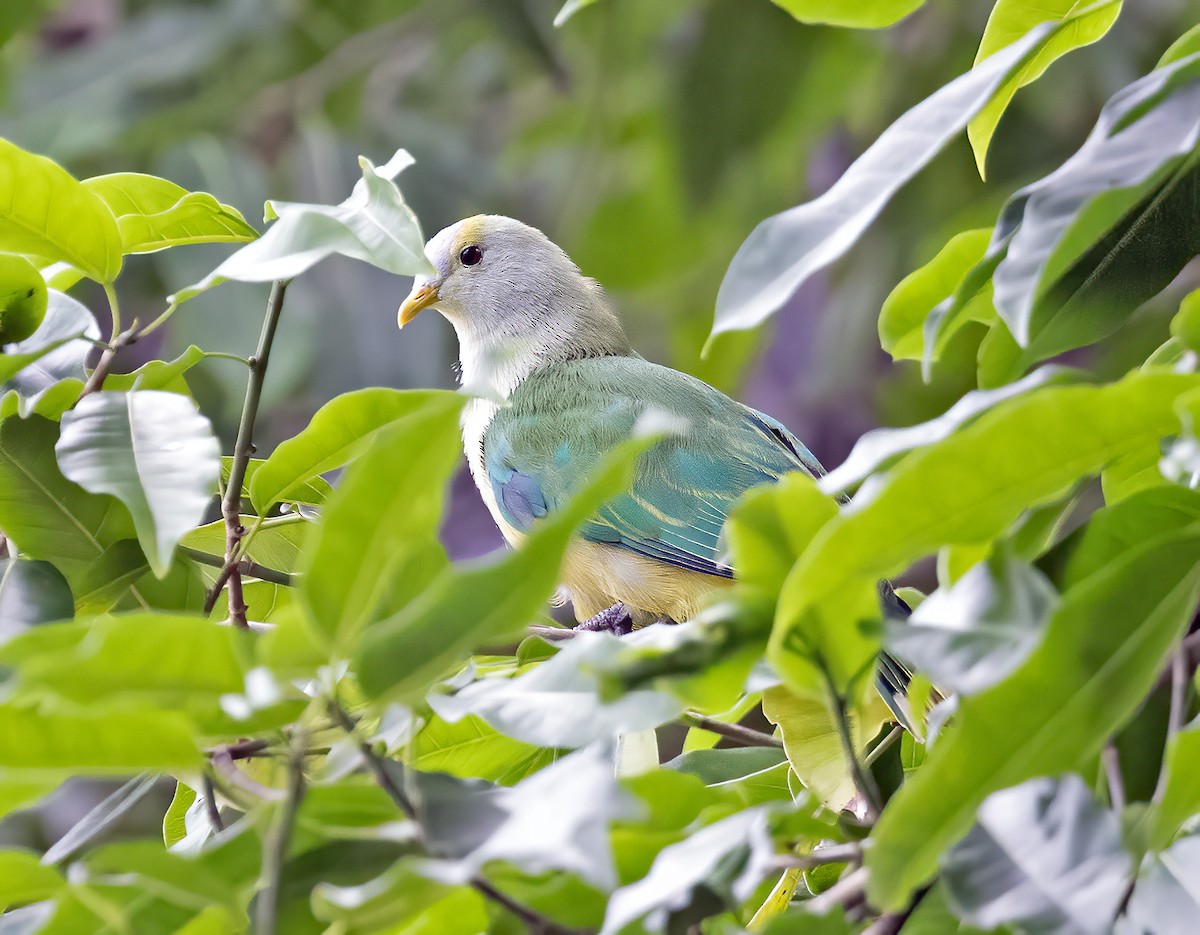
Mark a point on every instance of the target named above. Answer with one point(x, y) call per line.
point(494, 364)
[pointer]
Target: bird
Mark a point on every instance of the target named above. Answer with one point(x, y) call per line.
point(555, 385)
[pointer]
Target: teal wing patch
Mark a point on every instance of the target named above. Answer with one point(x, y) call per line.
point(538, 456)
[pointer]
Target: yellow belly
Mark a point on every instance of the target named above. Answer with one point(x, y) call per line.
point(597, 576)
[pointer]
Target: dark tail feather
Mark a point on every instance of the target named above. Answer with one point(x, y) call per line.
point(893, 676)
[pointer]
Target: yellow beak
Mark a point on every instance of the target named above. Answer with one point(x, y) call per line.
point(420, 298)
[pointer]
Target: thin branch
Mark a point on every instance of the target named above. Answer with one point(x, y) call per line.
point(95, 382)
point(534, 921)
point(851, 853)
point(275, 846)
point(231, 575)
point(892, 922)
point(551, 634)
point(850, 892)
point(1191, 650)
point(210, 804)
point(743, 736)
point(246, 566)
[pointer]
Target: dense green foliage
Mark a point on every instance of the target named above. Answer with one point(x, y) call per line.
point(364, 736)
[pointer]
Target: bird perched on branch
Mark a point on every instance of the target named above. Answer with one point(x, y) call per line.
point(557, 385)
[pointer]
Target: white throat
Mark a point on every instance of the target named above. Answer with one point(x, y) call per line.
point(494, 368)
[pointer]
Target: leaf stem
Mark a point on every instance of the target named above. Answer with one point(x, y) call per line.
point(1180, 672)
point(162, 319)
point(742, 736)
point(242, 450)
point(244, 565)
point(1112, 775)
point(864, 782)
point(275, 846)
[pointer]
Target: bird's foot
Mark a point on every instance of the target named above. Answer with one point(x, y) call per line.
point(616, 620)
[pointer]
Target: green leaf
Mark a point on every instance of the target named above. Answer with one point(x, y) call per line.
point(569, 9)
point(1185, 45)
point(99, 741)
point(21, 790)
point(374, 225)
point(1075, 253)
point(971, 635)
point(31, 593)
point(153, 214)
point(559, 702)
point(339, 431)
point(377, 540)
point(151, 450)
point(902, 318)
point(471, 749)
point(22, 303)
point(968, 488)
point(862, 14)
point(1180, 798)
point(49, 214)
point(1087, 22)
point(399, 893)
point(1043, 856)
point(23, 879)
point(174, 659)
point(312, 492)
point(1103, 651)
point(46, 515)
point(1165, 898)
point(785, 250)
point(158, 374)
point(728, 858)
point(53, 353)
point(487, 600)
point(175, 818)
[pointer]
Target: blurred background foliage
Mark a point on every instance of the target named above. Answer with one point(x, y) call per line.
point(646, 138)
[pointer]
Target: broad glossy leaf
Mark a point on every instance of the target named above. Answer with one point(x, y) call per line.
point(158, 374)
point(1078, 251)
point(1185, 45)
point(879, 446)
point(19, 789)
point(862, 14)
point(1087, 22)
point(784, 250)
point(22, 302)
point(46, 515)
point(50, 214)
point(399, 893)
point(729, 858)
point(57, 353)
point(31, 593)
point(151, 450)
point(968, 637)
point(470, 748)
point(487, 600)
point(153, 214)
point(1166, 898)
point(377, 541)
point(1044, 857)
point(812, 742)
point(1102, 652)
point(101, 817)
point(557, 819)
point(1180, 799)
point(374, 225)
point(558, 703)
point(968, 488)
point(312, 492)
point(338, 432)
point(902, 318)
point(108, 740)
point(23, 879)
point(172, 658)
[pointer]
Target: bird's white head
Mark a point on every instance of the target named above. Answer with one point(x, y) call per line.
point(516, 301)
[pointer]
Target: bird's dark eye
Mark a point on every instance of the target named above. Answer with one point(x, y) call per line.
point(470, 255)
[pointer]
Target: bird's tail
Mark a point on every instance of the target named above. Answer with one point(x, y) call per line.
point(893, 676)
